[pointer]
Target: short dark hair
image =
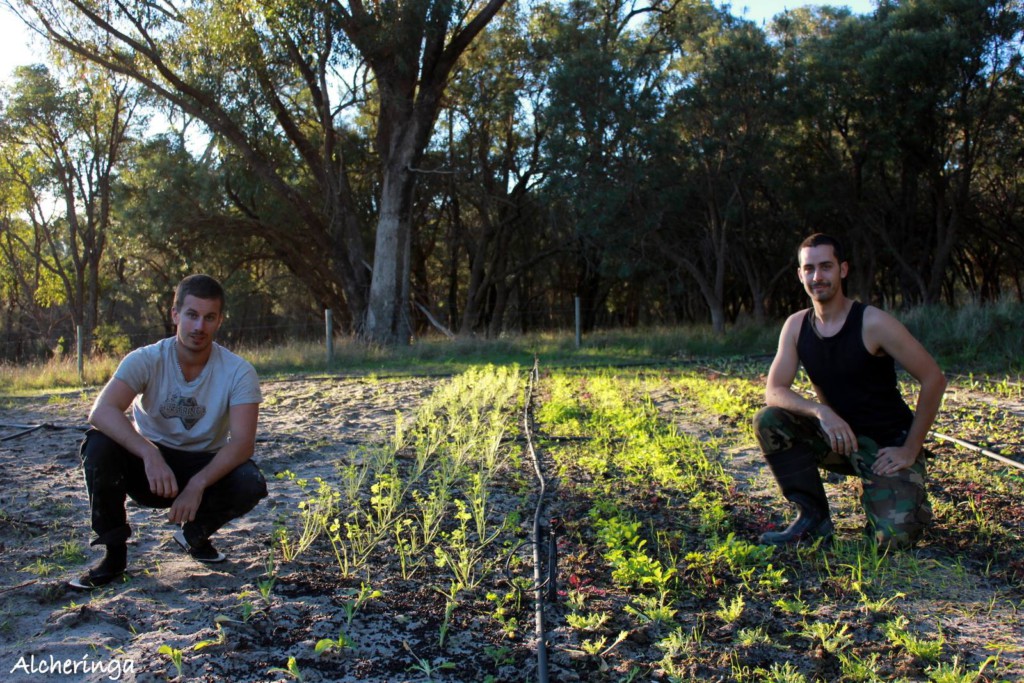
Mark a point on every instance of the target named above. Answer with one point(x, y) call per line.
point(200, 286)
point(820, 239)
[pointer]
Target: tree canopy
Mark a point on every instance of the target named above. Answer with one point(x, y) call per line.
point(474, 166)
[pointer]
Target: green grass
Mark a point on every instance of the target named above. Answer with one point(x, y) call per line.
point(974, 338)
point(433, 355)
point(55, 374)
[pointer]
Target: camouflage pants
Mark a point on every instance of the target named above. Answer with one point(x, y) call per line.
point(896, 506)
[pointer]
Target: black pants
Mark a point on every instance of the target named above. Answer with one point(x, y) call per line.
point(112, 473)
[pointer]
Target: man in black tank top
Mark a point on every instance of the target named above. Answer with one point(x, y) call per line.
point(859, 425)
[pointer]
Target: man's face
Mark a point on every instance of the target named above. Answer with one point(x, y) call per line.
point(198, 322)
point(820, 272)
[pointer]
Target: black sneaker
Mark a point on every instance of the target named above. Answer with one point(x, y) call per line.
point(109, 569)
point(204, 552)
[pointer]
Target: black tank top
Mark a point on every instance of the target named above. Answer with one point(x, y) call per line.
point(860, 387)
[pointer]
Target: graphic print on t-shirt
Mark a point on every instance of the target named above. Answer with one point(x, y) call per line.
point(184, 408)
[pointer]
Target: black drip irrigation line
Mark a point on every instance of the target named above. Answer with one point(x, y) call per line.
point(976, 448)
point(20, 585)
point(539, 583)
point(28, 429)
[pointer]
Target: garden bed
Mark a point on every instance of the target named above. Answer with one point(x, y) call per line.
point(394, 544)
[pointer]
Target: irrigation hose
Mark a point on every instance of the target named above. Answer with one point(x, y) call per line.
point(25, 431)
point(554, 527)
point(20, 585)
point(978, 449)
point(542, 652)
point(28, 429)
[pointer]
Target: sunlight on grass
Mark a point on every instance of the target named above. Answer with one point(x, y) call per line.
point(973, 338)
point(55, 374)
point(431, 355)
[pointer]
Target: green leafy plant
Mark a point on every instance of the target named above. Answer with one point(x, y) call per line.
point(325, 645)
point(625, 551)
point(652, 609)
point(508, 604)
point(175, 656)
point(955, 672)
point(752, 636)
point(834, 637)
point(266, 584)
point(898, 634)
point(449, 609)
point(795, 605)
point(680, 642)
point(600, 648)
point(591, 621)
point(290, 669)
point(359, 599)
point(219, 640)
point(781, 673)
point(460, 554)
point(500, 656)
point(426, 667)
point(859, 669)
point(731, 610)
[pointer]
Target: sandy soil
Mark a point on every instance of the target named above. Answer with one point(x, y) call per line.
point(307, 427)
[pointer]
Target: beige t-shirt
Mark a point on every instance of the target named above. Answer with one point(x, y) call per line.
point(188, 416)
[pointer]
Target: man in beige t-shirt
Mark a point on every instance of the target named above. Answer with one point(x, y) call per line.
point(188, 444)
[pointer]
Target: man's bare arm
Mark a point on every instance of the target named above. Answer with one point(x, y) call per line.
point(108, 415)
point(883, 332)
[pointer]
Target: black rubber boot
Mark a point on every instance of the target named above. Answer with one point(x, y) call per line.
point(800, 482)
point(109, 569)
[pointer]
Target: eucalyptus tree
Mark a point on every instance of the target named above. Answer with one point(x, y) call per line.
point(28, 325)
point(938, 74)
point(606, 77)
point(909, 103)
point(725, 112)
point(495, 226)
point(184, 214)
point(269, 80)
point(995, 249)
point(831, 141)
point(64, 142)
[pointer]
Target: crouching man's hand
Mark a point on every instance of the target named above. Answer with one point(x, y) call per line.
point(162, 481)
point(893, 459)
point(186, 504)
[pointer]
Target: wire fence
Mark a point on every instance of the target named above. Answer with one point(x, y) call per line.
point(24, 345)
point(25, 348)
point(28, 347)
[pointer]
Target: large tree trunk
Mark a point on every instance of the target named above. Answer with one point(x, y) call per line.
point(411, 47)
point(387, 319)
point(412, 70)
